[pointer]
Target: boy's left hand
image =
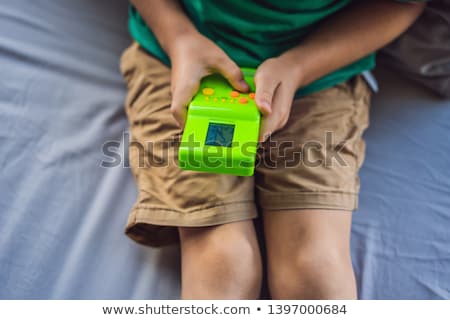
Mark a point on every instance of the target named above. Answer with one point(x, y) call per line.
point(276, 80)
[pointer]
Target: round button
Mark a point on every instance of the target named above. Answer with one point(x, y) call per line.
point(251, 95)
point(234, 94)
point(208, 91)
point(242, 100)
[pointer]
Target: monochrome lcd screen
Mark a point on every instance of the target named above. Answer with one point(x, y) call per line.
point(220, 135)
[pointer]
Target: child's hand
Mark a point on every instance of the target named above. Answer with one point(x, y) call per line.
point(276, 82)
point(193, 57)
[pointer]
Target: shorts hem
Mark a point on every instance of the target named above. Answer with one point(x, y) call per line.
point(308, 200)
point(157, 226)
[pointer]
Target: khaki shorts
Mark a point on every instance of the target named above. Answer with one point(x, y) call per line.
point(312, 162)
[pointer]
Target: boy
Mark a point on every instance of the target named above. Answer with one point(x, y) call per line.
point(309, 56)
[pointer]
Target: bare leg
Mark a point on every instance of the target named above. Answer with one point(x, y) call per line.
point(309, 254)
point(220, 262)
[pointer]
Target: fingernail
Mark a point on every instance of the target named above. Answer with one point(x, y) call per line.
point(265, 104)
point(264, 137)
point(244, 84)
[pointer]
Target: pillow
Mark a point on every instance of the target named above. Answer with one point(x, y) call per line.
point(422, 53)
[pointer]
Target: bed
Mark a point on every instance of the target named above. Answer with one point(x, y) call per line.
point(62, 214)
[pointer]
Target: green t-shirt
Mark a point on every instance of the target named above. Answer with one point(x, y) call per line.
point(253, 31)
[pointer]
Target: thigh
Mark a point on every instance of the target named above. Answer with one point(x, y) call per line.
point(234, 235)
point(310, 233)
point(169, 197)
point(313, 162)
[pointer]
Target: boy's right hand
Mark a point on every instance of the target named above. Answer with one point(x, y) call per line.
point(193, 57)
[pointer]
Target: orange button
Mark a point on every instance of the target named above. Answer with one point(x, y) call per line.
point(251, 95)
point(242, 100)
point(208, 91)
point(234, 94)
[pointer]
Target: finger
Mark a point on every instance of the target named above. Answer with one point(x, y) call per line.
point(182, 93)
point(268, 125)
point(281, 107)
point(266, 85)
point(233, 74)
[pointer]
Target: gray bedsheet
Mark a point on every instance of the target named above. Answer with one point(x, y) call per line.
point(62, 215)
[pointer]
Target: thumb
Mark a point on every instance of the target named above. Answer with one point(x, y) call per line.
point(182, 93)
point(265, 91)
point(233, 74)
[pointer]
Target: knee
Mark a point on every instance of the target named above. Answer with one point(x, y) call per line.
point(236, 258)
point(231, 264)
point(312, 274)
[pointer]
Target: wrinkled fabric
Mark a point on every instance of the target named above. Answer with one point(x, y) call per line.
point(423, 52)
point(288, 175)
point(61, 213)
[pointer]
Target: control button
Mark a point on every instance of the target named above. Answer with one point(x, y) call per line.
point(215, 99)
point(242, 100)
point(206, 98)
point(231, 100)
point(234, 94)
point(251, 95)
point(208, 91)
point(224, 100)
